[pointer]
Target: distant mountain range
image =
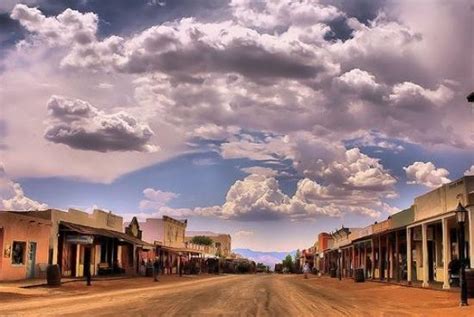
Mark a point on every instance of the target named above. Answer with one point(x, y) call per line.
point(269, 258)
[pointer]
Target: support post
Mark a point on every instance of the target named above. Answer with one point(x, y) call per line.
point(397, 257)
point(424, 250)
point(380, 259)
point(470, 213)
point(372, 273)
point(409, 260)
point(388, 257)
point(446, 255)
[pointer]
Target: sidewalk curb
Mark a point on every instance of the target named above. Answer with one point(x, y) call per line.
point(45, 284)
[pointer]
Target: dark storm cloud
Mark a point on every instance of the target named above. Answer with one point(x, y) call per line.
point(247, 59)
point(80, 125)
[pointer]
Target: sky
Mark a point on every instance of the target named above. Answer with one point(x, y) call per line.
point(269, 120)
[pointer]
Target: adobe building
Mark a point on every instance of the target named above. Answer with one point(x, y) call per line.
point(322, 245)
point(24, 244)
point(79, 241)
point(168, 236)
point(341, 253)
point(432, 238)
point(222, 241)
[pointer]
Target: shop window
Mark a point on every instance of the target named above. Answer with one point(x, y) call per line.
point(18, 252)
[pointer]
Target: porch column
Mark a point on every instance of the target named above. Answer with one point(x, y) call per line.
point(397, 258)
point(470, 227)
point(353, 264)
point(446, 255)
point(372, 274)
point(409, 256)
point(388, 257)
point(380, 258)
point(364, 260)
point(424, 251)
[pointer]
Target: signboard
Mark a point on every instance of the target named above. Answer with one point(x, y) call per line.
point(80, 239)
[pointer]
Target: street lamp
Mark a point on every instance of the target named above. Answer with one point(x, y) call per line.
point(461, 213)
point(339, 251)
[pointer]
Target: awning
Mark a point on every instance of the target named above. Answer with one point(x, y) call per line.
point(123, 237)
point(177, 250)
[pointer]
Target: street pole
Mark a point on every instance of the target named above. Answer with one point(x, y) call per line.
point(462, 276)
point(461, 214)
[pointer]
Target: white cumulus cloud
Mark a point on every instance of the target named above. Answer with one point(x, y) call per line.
point(426, 173)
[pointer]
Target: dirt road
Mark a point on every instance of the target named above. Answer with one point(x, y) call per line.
point(246, 295)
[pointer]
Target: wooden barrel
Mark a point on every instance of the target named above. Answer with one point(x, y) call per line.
point(53, 275)
point(470, 283)
point(332, 272)
point(359, 275)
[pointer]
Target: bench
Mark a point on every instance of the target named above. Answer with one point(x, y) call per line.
point(104, 269)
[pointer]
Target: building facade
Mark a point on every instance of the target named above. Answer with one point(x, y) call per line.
point(24, 245)
point(432, 238)
point(414, 245)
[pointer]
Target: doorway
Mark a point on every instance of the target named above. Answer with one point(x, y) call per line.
point(87, 261)
point(431, 260)
point(31, 264)
point(73, 261)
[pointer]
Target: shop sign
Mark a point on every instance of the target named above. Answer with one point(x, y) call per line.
point(80, 239)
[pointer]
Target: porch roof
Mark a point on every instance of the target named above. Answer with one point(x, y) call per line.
point(67, 226)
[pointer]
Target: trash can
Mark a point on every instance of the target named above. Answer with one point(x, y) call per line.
point(53, 275)
point(359, 275)
point(470, 283)
point(149, 271)
point(332, 272)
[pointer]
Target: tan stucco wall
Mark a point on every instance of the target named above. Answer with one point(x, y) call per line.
point(443, 199)
point(174, 233)
point(98, 219)
point(226, 244)
point(16, 228)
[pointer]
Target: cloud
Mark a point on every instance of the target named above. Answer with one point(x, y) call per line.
point(155, 199)
point(259, 170)
point(80, 125)
point(469, 171)
point(426, 173)
point(243, 234)
point(12, 196)
point(69, 27)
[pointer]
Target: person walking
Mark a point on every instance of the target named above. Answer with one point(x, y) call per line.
point(156, 269)
point(306, 270)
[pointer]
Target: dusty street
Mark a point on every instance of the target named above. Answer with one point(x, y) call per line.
point(245, 295)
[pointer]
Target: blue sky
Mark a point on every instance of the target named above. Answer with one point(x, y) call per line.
point(271, 121)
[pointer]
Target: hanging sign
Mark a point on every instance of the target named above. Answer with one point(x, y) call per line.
point(80, 239)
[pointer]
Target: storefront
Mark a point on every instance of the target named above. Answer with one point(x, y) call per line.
point(102, 251)
point(24, 244)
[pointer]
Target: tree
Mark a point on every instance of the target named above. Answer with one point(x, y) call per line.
point(288, 263)
point(297, 261)
point(202, 240)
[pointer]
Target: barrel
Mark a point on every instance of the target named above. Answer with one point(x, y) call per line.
point(53, 275)
point(332, 272)
point(359, 275)
point(470, 283)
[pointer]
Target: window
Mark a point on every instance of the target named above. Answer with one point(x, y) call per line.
point(18, 252)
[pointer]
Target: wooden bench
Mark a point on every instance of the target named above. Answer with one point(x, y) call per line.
point(104, 269)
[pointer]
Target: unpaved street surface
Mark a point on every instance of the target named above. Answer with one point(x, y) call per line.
point(234, 295)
